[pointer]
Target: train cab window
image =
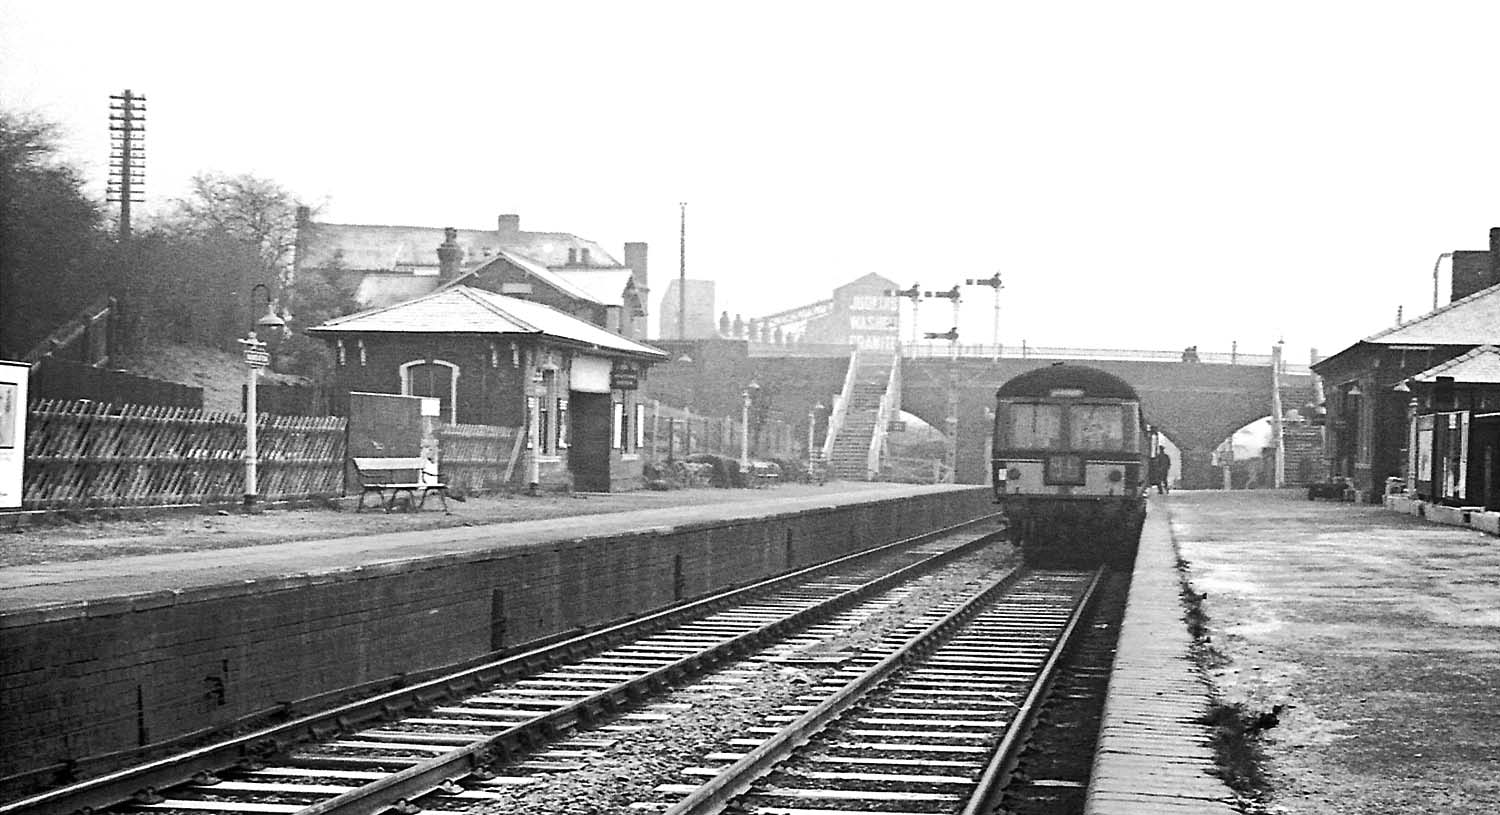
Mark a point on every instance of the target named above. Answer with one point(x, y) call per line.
point(1097, 427)
point(1036, 427)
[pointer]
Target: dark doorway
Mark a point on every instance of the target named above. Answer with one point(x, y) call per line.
point(588, 457)
point(1484, 462)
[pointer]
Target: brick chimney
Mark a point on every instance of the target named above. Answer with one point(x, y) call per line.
point(509, 225)
point(635, 258)
point(1474, 270)
point(450, 255)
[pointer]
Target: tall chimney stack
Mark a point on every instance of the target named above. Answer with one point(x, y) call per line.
point(635, 258)
point(450, 255)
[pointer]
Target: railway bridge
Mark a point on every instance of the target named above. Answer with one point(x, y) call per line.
point(1196, 404)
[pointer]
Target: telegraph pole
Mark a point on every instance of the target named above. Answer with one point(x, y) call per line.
point(127, 157)
point(682, 274)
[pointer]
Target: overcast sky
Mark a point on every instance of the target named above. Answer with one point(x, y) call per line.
point(1143, 174)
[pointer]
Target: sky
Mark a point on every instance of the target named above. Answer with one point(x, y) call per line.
point(1143, 175)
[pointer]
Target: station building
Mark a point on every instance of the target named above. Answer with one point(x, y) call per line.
point(1368, 386)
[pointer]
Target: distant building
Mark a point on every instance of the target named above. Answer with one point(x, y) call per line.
point(861, 313)
point(386, 265)
point(701, 321)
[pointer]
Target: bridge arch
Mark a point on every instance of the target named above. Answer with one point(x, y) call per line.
point(1196, 404)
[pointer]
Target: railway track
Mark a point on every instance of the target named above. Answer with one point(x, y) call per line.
point(931, 721)
point(438, 739)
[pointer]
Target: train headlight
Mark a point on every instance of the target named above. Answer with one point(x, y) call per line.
point(1116, 476)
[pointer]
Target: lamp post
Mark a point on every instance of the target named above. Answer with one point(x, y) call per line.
point(257, 356)
point(748, 395)
point(812, 427)
point(1435, 265)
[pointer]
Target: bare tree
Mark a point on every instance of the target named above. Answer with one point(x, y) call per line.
point(245, 208)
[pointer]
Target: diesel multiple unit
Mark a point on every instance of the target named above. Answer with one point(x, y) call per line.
point(1069, 465)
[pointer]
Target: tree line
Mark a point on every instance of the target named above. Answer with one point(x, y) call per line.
point(186, 276)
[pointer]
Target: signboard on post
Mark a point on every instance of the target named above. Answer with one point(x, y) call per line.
point(14, 379)
point(256, 355)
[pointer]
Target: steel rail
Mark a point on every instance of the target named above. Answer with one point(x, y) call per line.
point(736, 779)
point(145, 779)
point(985, 797)
point(379, 795)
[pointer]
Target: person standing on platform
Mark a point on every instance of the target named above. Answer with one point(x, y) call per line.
point(1160, 470)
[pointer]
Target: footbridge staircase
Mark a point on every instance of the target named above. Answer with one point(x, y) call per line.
point(870, 399)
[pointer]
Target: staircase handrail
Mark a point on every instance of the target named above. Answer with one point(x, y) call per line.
point(890, 402)
point(841, 406)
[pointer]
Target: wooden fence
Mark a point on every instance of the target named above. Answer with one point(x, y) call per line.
point(673, 433)
point(86, 454)
point(477, 457)
point(59, 379)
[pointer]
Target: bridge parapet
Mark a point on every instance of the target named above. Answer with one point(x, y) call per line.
point(928, 350)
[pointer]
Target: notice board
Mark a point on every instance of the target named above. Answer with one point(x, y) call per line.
point(14, 377)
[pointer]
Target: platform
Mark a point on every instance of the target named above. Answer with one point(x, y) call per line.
point(1153, 756)
point(102, 656)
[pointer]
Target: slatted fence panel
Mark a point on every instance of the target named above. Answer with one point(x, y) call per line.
point(83, 454)
point(474, 456)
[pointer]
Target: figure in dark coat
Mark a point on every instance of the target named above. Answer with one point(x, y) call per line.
point(1160, 470)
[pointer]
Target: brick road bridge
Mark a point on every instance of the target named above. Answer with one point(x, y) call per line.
point(1197, 405)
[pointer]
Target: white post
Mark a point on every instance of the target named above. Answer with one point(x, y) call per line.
point(256, 357)
point(251, 459)
point(812, 421)
point(745, 433)
point(1277, 430)
point(996, 357)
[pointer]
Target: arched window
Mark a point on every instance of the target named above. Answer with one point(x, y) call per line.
point(436, 378)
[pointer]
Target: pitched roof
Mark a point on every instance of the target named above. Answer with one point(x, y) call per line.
point(1470, 321)
point(373, 247)
point(467, 310)
point(1479, 366)
point(605, 286)
point(555, 279)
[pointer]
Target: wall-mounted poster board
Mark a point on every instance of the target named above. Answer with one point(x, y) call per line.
point(13, 380)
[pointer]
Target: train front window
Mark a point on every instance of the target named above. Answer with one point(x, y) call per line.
point(1036, 427)
point(1097, 427)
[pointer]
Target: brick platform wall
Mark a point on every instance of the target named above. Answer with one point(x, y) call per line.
point(76, 683)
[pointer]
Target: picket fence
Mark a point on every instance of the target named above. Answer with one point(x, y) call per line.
point(83, 454)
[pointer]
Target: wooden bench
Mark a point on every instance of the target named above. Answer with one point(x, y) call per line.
point(390, 477)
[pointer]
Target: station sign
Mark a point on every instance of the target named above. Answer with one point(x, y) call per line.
point(624, 377)
point(257, 357)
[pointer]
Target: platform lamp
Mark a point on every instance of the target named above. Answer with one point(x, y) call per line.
point(257, 356)
point(812, 428)
point(748, 396)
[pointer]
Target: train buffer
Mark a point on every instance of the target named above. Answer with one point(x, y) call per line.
point(391, 478)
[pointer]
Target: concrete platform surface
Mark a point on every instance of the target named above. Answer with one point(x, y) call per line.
point(1376, 633)
point(225, 561)
point(1153, 754)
